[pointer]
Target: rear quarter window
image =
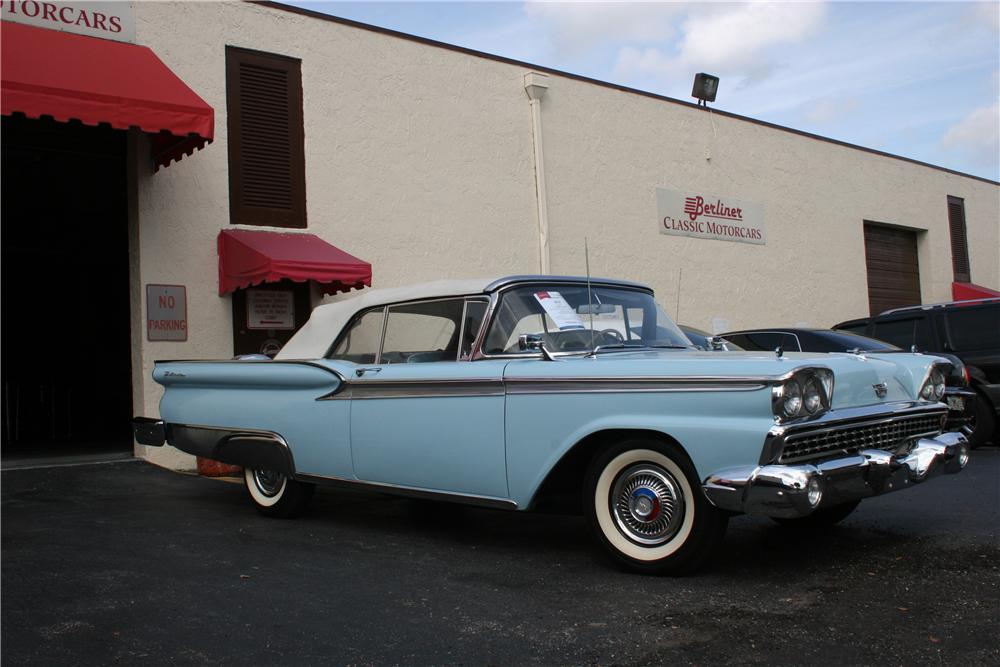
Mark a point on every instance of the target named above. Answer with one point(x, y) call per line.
point(974, 328)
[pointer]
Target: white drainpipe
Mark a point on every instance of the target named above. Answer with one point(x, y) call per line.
point(535, 85)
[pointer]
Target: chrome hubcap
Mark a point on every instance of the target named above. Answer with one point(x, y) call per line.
point(647, 504)
point(268, 482)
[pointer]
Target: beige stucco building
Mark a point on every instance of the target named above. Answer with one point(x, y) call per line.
point(430, 161)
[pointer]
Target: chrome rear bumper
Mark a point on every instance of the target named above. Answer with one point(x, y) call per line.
point(786, 491)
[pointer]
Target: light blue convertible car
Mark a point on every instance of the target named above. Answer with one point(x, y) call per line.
point(525, 391)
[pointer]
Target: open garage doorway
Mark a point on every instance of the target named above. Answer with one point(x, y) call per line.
point(66, 357)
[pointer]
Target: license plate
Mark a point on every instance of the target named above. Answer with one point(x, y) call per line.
point(956, 403)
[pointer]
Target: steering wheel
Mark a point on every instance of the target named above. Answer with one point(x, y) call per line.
point(614, 335)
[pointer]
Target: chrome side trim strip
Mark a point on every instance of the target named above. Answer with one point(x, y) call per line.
point(412, 492)
point(473, 387)
point(577, 385)
point(375, 389)
point(294, 362)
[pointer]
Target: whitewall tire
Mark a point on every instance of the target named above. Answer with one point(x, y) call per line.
point(274, 494)
point(646, 507)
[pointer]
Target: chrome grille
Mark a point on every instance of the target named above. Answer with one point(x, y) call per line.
point(852, 439)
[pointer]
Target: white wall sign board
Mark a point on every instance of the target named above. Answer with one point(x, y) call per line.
point(107, 20)
point(270, 309)
point(166, 312)
point(706, 216)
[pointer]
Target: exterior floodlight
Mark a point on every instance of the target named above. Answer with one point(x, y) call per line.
point(705, 87)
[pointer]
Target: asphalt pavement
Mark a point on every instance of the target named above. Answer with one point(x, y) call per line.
point(127, 563)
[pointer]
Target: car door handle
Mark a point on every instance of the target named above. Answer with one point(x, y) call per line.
point(362, 371)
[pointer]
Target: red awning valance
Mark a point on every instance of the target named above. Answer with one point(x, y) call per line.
point(95, 81)
point(965, 291)
point(250, 257)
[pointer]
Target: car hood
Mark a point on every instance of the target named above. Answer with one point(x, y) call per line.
point(855, 375)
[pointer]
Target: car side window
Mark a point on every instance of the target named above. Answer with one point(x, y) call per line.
point(422, 332)
point(905, 333)
point(972, 328)
point(765, 341)
point(360, 342)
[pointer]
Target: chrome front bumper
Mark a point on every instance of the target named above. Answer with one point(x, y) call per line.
point(786, 491)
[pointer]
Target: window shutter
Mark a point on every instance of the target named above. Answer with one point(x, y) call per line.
point(959, 240)
point(266, 139)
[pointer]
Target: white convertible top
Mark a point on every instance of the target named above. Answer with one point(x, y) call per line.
point(314, 339)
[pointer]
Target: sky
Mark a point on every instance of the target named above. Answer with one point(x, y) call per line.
point(916, 79)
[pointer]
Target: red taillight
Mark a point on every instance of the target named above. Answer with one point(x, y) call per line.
point(965, 375)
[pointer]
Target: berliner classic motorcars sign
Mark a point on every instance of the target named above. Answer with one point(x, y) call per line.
point(707, 216)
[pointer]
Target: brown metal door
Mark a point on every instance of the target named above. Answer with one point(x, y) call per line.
point(893, 269)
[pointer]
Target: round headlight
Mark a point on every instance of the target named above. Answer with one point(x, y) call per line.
point(812, 396)
point(927, 391)
point(791, 399)
point(937, 377)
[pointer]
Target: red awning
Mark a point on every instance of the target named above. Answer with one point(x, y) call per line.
point(966, 291)
point(75, 77)
point(249, 257)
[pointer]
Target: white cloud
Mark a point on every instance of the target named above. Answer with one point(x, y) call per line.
point(976, 137)
point(733, 38)
point(579, 26)
point(737, 41)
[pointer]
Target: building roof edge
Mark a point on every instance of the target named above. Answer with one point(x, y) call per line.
point(604, 84)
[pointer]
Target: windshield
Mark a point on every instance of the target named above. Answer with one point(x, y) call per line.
point(565, 318)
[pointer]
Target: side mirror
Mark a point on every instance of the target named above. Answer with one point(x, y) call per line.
point(533, 343)
point(529, 342)
point(718, 343)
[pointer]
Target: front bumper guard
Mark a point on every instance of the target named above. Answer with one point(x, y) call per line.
point(788, 491)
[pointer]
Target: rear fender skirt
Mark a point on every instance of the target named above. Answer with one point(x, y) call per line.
point(248, 448)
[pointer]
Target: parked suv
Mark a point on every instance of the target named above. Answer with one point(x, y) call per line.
point(969, 330)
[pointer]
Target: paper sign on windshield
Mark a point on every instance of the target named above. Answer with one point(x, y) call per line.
point(561, 312)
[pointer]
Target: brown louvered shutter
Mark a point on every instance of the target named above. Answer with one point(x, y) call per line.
point(267, 181)
point(959, 240)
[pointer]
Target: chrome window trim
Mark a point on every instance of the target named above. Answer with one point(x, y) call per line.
point(350, 323)
point(381, 337)
point(385, 319)
point(461, 329)
point(512, 282)
point(412, 491)
point(517, 280)
point(475, 342)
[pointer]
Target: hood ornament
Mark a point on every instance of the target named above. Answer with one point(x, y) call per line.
point(881, 389)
